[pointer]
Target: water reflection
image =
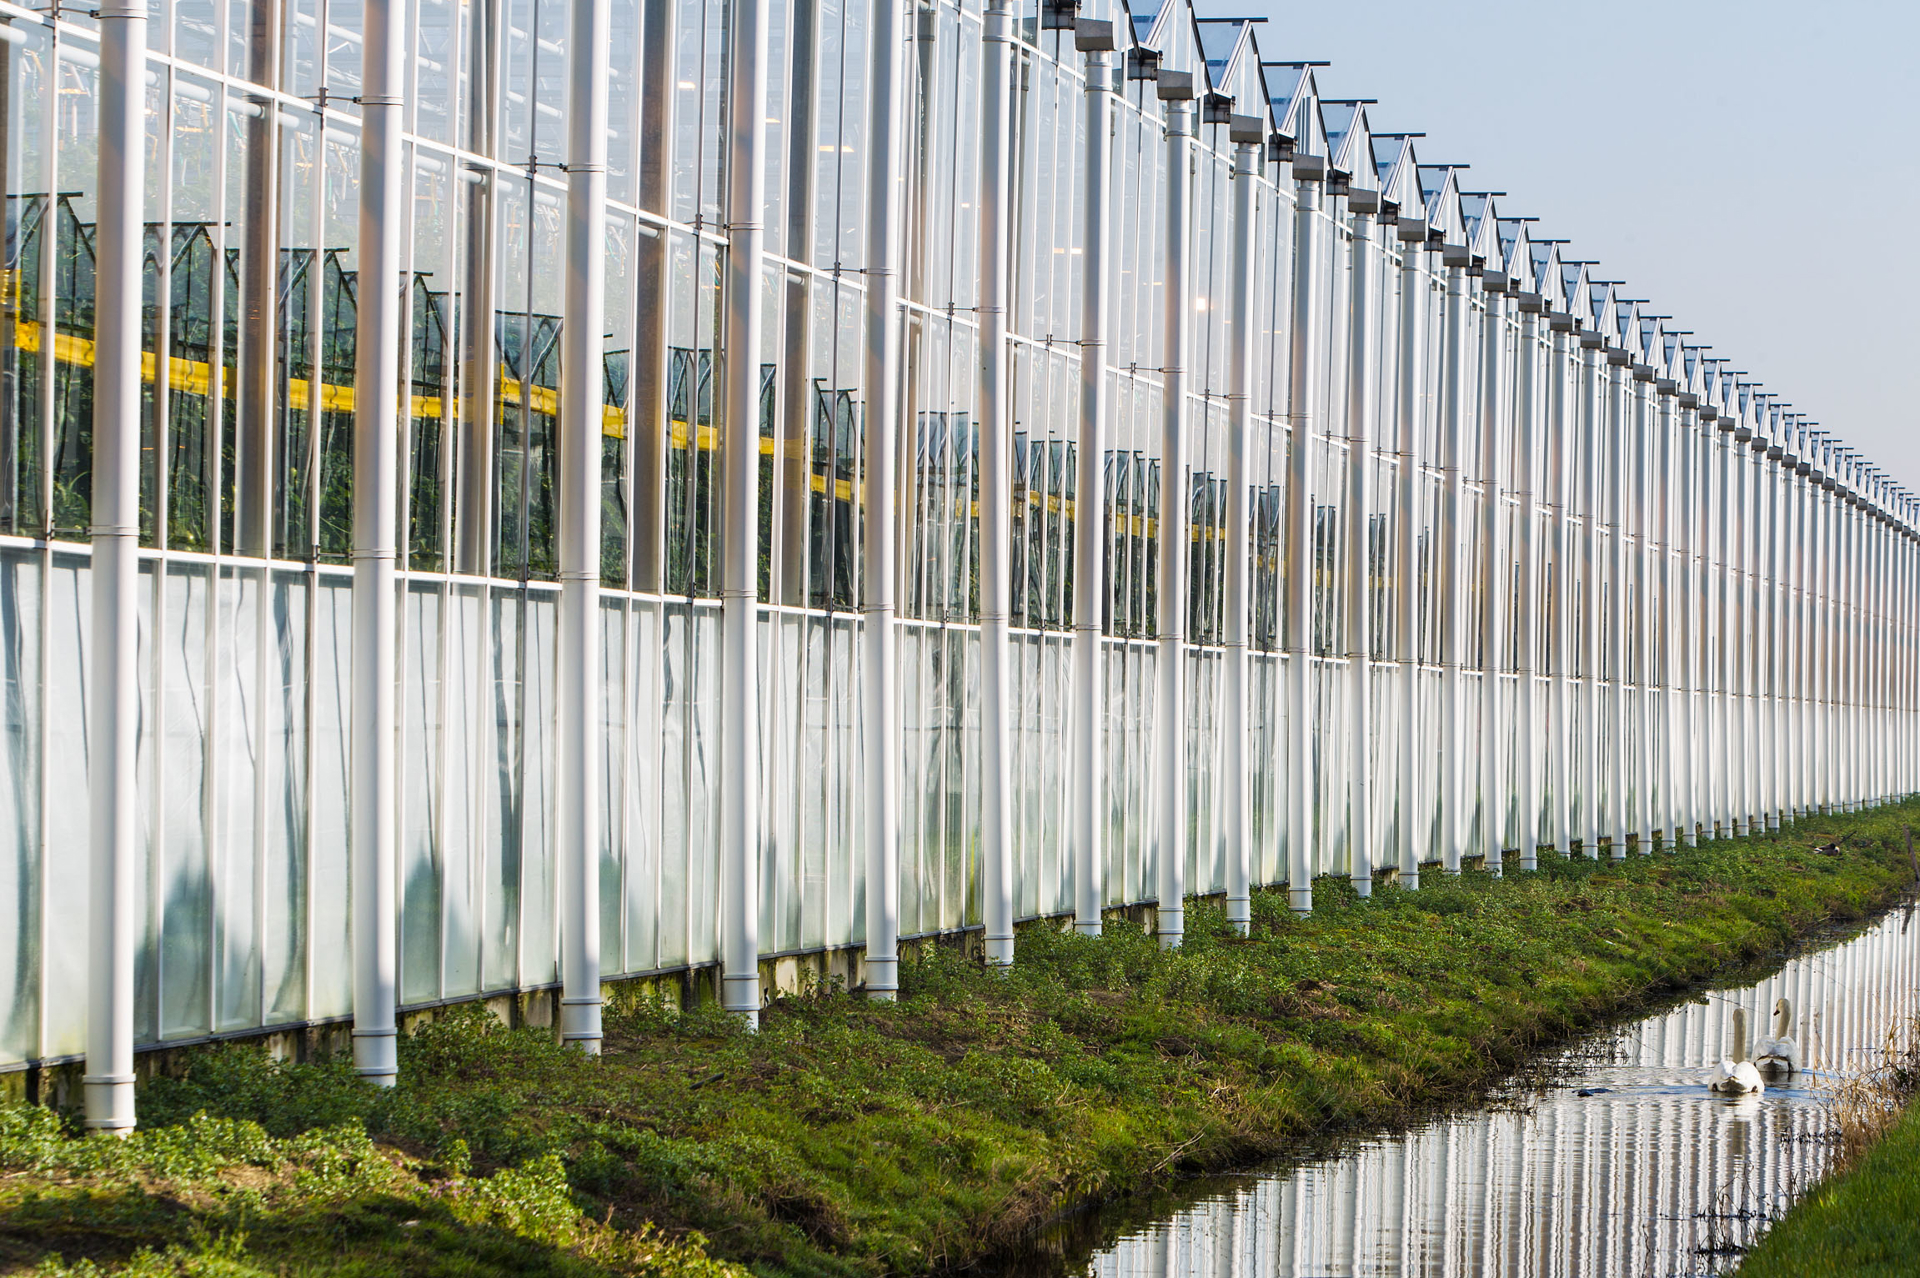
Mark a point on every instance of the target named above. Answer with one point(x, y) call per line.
point(1649, 1174)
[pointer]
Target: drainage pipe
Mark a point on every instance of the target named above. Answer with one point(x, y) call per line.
point(1414, 300)
point(113, 714)
point(1238, 829)
point(740, 539)
point(1591, 457)
point(1496, 577)
point(1559, 431)
point(577, 820)
point(1646, 577)
point(880, 673)
point(996, 497)
point(1527, 646)
point(376, 436)
point(1171, 711)
point(1616, 761)
point(1090, 525)
point(1364, 323)
point(1449, 560)
point(1304, 400)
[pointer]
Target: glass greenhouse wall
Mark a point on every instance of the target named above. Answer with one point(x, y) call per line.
point(1469, 552)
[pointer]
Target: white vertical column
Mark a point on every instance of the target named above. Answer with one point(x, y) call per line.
point(740, 538)
point(582, 361)
point(1590, 452)
point(1646, 570)
point(1688, 623)
point(996, 506)
point(1560, 428)
point(113, 710)
point(1671, 494)
point(1725, 749)
point(1237, 827)
point(1406, 586)
point(880, 668)
point(376, 465)
point(1450, 565)
point(1527, 424)
point(1304, 397)
point(1170, 710)
point(1494, 584)
point(1617, 758)
point(1362, 357)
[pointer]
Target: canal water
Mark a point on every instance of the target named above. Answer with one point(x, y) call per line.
point(1615, 1161)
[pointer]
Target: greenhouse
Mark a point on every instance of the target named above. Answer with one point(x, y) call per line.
point(503, 496)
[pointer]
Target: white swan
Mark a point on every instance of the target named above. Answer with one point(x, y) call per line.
point(1738, 1078)
point(1779, 1055)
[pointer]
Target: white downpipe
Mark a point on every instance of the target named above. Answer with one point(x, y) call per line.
point(1646, 570)
point(1559, 430)
point(577, 819)
point(1616, 761)
point(1449, 560)
point(1170, 712)
point(1527, 648)
point(1090, 530)
point(740, 539)
point(1688, 622)
point(1413, 372)
point(113, 712)
point(376, 451)
point(1671, 468)
point(1725, 762)
point(1495, 579)
point(1362, 354)
point(1304, 400)
point(1235, 797)
point(996, 497)
point(880, 672)
point(1592, 427)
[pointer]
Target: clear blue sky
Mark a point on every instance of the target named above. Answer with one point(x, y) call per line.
point(1752, 167)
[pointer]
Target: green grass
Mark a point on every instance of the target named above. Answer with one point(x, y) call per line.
point(856, 1139)
point(1864, 1223)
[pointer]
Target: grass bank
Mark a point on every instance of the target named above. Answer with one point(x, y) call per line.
point(1864, 1219)
point(848, 1139)
point(1863, 1223)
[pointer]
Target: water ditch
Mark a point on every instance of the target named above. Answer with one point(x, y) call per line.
point(1614, 1159)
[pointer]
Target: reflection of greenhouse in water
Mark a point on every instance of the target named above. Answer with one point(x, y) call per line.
point(717, 588)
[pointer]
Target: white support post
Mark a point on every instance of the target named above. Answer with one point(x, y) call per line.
point(1450, 567)
point(1304, 399)
point(1646, 572)
point(376, 478)
point(1560, 430)
point(113, 710)
point(1170, 709)
point(1358, 595)
point(740, 515)
point(1591, 427)
point(582, 361)
point(996, 498)
point(1235, 788)
point(880, 672)
point(1090, 528)
point(1406, 601)
point(1616, 760)
point(1687, 623)
point(1527, 425)
point(1496, 570)
point(1671, 493)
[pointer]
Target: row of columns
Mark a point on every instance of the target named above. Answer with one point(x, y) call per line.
point(1785, 704)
